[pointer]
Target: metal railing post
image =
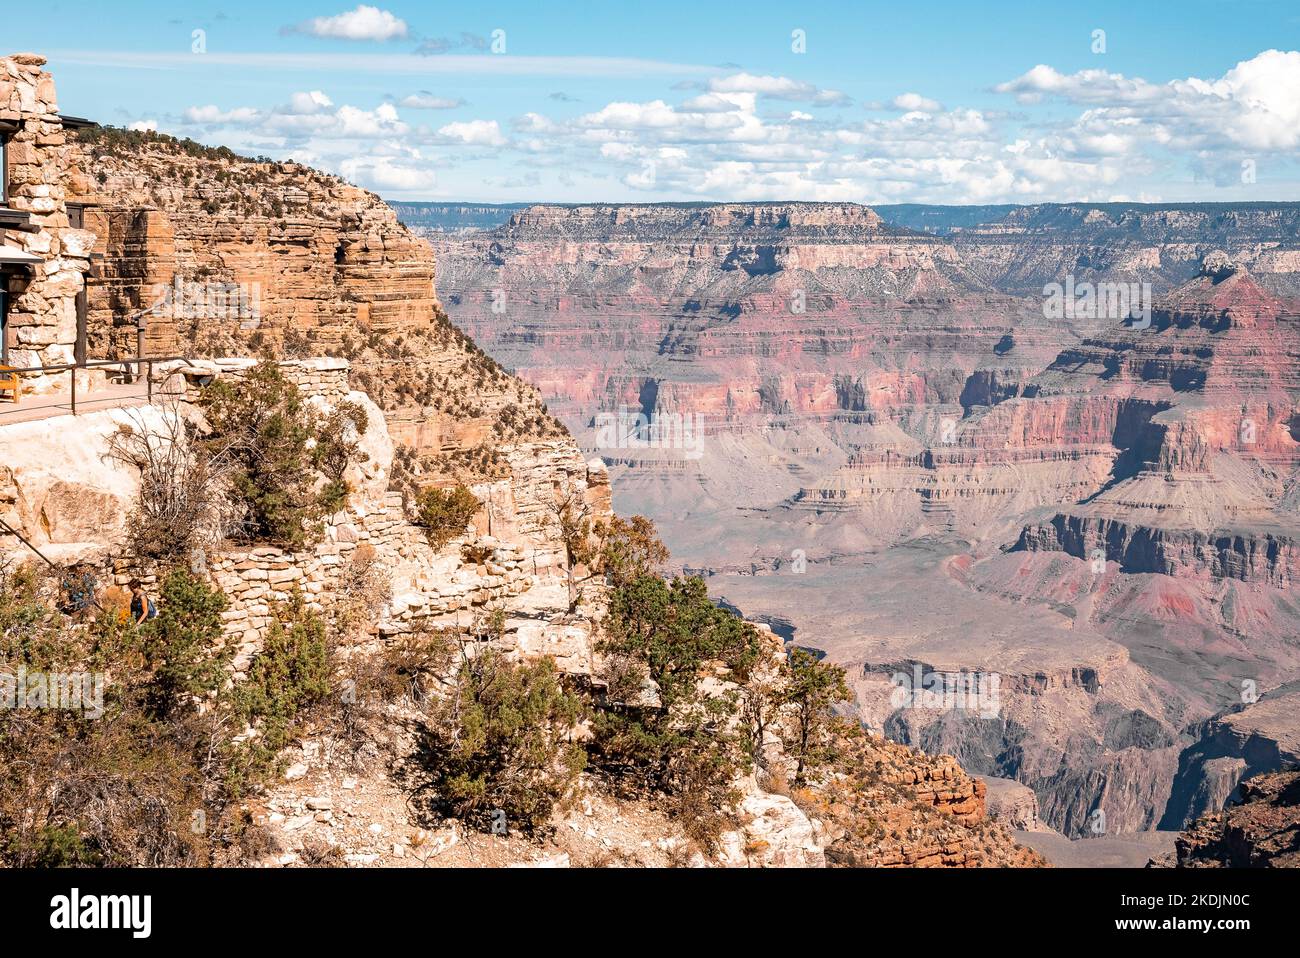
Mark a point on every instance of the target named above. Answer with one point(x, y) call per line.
point(139, 341)
point(73, 372)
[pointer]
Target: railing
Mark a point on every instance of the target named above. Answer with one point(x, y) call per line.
point(144, 366)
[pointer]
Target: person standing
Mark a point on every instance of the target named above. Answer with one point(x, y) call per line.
point(142, 607)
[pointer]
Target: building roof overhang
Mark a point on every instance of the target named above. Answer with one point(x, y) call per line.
point(12, 258)
point(11, 219)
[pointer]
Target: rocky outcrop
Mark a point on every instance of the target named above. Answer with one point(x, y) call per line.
point(1253, 738)
point(1257, 832)
point(903, 808)
point(775, 833)
point(222, 255)
point(179, 225)
point(1011, 804)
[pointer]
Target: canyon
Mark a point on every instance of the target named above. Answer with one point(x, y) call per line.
point(340, 296)
point(902, 458)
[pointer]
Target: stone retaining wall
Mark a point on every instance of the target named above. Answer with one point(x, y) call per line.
point(428, 587)
point(326, 377)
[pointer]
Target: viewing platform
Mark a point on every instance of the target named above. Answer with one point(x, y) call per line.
point(44, 406)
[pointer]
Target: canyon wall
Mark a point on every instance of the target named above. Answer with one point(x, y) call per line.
point(902, 455)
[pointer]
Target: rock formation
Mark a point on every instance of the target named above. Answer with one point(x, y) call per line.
point(1259, 831)
point(1102, 511)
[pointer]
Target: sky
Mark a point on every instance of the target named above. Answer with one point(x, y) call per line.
point(871, 102)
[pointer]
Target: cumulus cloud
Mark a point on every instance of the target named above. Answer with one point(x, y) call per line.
point(144, 126)
point(384, 174)
point(916, 102)
point(213, 114)
point(1255, 105)
point(776, 88)
point(474, 133)
point(309, 103)
point(363, 23)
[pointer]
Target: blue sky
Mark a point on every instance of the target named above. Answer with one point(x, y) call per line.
point(886, 102)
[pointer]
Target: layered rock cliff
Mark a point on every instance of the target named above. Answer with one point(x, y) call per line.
point(1100, 510)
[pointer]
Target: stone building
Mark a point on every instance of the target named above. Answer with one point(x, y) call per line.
point(44, 252)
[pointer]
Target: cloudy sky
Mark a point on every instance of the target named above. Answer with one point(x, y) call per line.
point(874, 102)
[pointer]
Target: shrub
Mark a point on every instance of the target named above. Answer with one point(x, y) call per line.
point(501, 742)
point(179, 645)
point(178, 505)
point(629, 549)
point(291, 674)
point(813, 689)
point(688, 745)
point(260, 428)
point(444, 513)
point(337, 447)
point(119, 789)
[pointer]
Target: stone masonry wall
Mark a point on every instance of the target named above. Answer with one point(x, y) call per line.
point(324, 377)
point(43, 314)
point(513, 549)
point(426, 584)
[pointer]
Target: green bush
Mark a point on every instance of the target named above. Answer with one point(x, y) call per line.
point(337, 447)
point(688, 746)
point(444, 513)
point(118, 785)
point(290, 674)
point(812, 690)
point(501, 742)
point(265, 440)
point(180, 645)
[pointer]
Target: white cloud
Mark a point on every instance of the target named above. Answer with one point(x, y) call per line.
point(769, 85)
point(714, 103)
point(916, 102)
point(1254, 106)
point(383, 174)
point(144, 126)
point(474, 132)
point(309, 103)
point(215, 115)
point(776, 88)
point(363, 23)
